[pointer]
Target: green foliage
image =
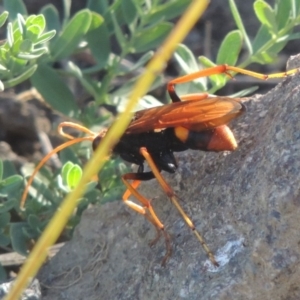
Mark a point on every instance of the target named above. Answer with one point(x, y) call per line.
point(35, 50)
point(276, 30)
point(23, 47)
point(36, 43)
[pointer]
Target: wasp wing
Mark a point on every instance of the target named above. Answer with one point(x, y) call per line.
point(192, 114)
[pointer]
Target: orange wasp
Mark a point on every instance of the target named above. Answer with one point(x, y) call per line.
point(192, 121)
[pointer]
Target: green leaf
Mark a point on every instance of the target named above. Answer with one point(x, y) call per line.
point(54, 90)
point(295, 8)
point(98, 40)
point(151, 38)
point(15, 50)
point(24, 76)
point(262, 37)
point(52, 17)
point(245, 92)
point(239, 23)
point(1, 169)
point(283, 13)
point(3, 18)
point(10, 35)
point(26, 46)
point(45, 37)
point(74, 176)
point(38, 20)
point(129, 10)
point(266, 15)
point(34, 55)
point(71, 35)
point(33, 32)
point(93, 196)
point(65, 170)
point(7, 205)
point(277, 47)
point(14, 7)
point(264, 57)
point(41, 191)
point(4, 219)
point(20, 24)
point(230, 48)
point(114, 194)
point(126, 88)
point(86, 82)
point(186, 59)
point(12, 183)
point(8, 168)
point(188, 64)
point(91, 186)
point(121, 38)
point(123, 70)
point(67, 155)
point(166, 11)
point(34, 222)
point(289, 37)
point(18, 238)
point(4, 242)
point(99, 6)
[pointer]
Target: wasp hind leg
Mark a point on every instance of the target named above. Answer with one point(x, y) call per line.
point(146, 210)
point(170, 193)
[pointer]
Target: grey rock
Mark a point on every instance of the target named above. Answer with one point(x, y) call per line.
point(246, 204)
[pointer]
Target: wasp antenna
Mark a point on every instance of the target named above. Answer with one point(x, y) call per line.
point(45, 159)
point(78, 127)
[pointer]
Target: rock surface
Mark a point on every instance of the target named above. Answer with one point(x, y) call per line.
point(246, 204)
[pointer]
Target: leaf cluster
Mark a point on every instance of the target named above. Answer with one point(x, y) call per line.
point(275, 31)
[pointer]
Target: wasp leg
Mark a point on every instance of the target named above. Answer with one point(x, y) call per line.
point(168, 190)
point(145, 209)
point(220, 69)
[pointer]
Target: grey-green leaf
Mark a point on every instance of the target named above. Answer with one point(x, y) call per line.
point(54, 90)
point(283, 13)
point(240, 25)
point(18, 238)
point(14, 7)
point(266, 15)
point(152, 37)
point(45, 37)
point(230, 48)
point(129, 10)
point(7, 206)
point(1, 169)
point(166, 11)
point(71, 35)
point(186, 59)
point(52, 17)
point(3, 18)
point(4, 219)
point(98, 40)
point(24, 76)
point(12, 183)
